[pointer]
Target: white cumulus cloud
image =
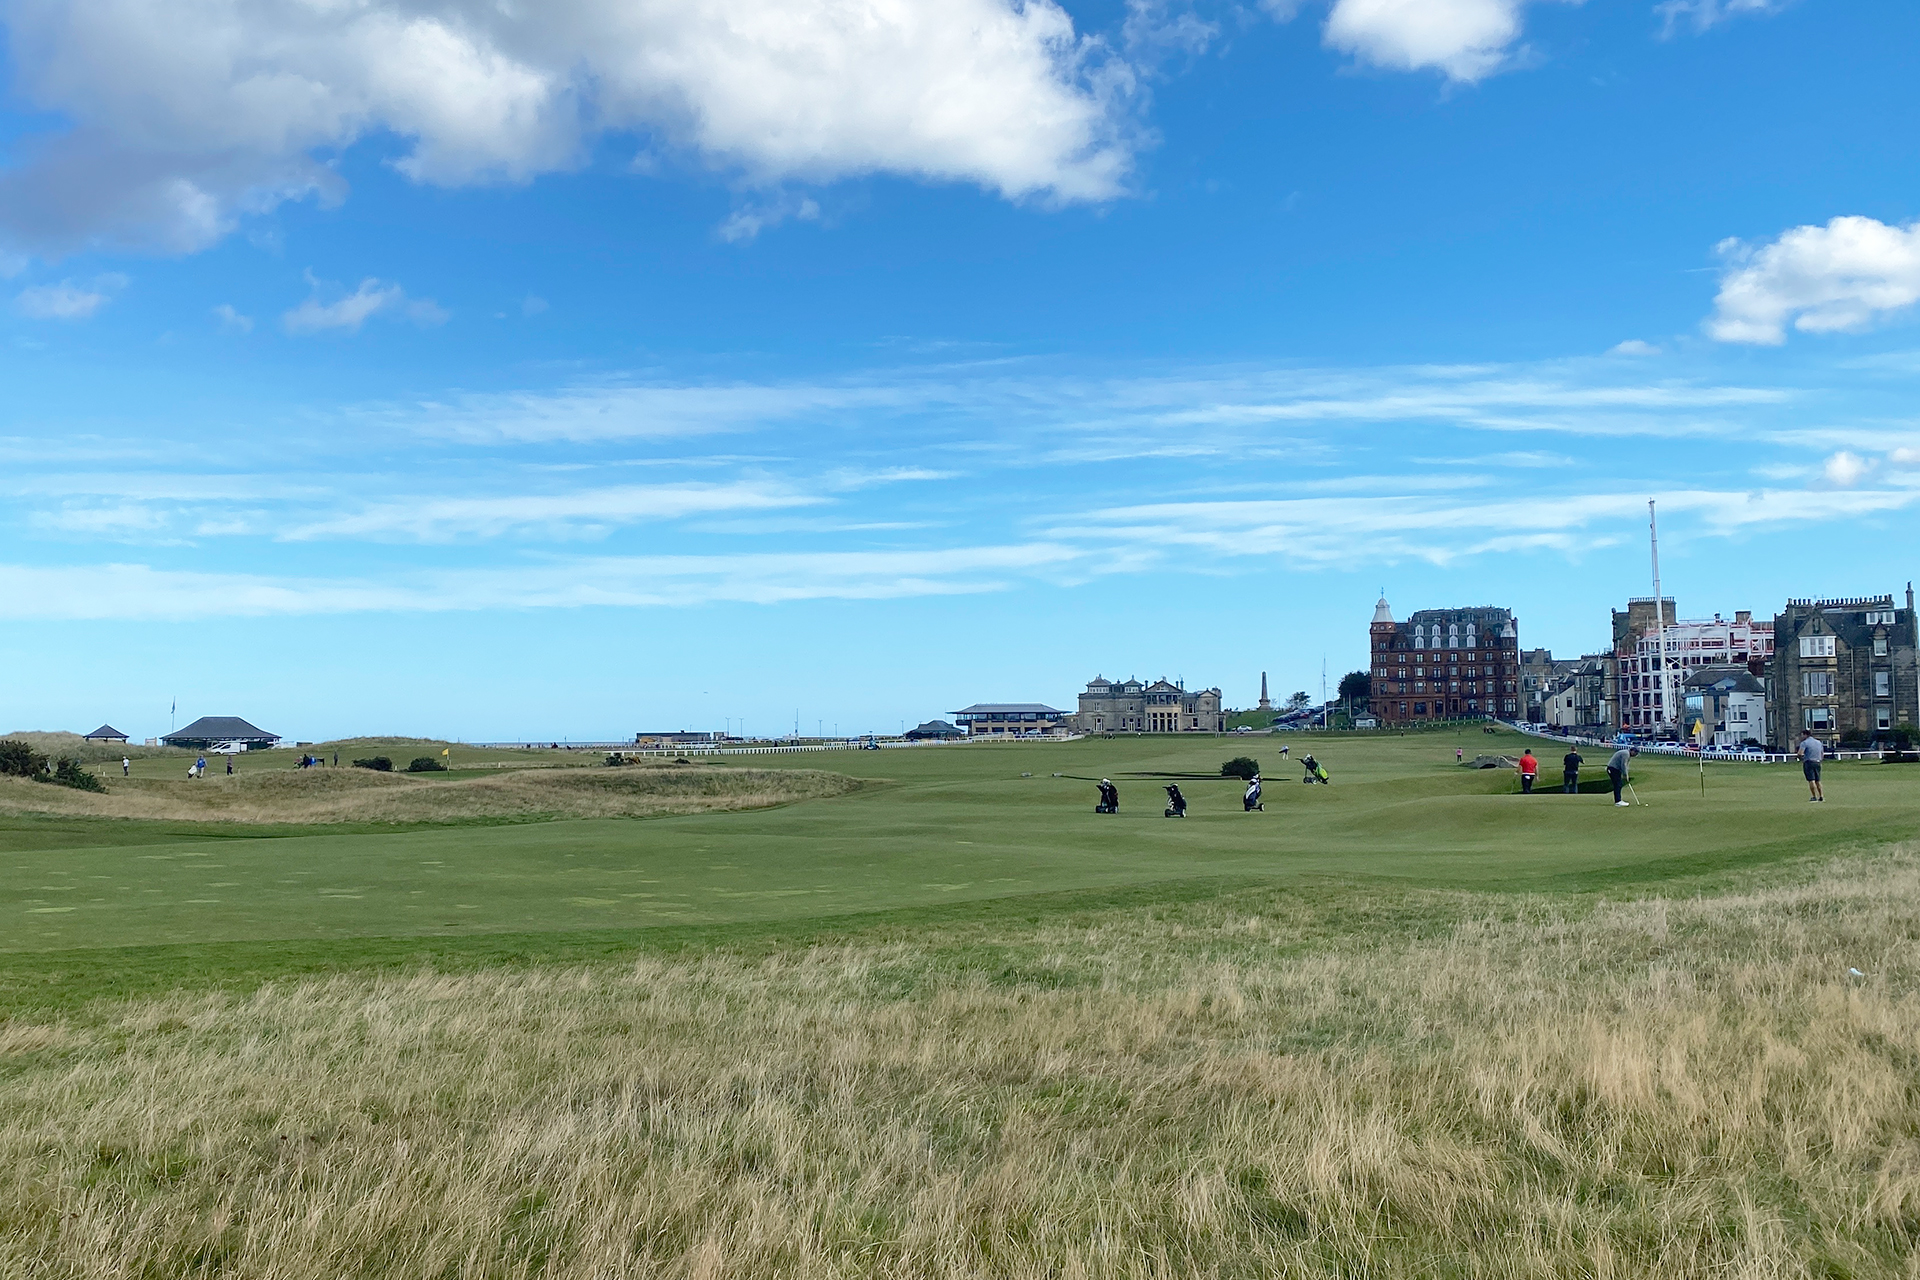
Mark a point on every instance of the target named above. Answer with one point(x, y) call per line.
point(184, 115)
point(1844, 470)
point(1466, 39)
point(354, 310)
point(1831, 279)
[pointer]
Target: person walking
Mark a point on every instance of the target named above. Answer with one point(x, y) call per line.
point(1570, 772)
point(229, 766)
point(126, 767)
point(1811, 754)
point(1459, 755)
point(1529, 770)
point(1617, 771)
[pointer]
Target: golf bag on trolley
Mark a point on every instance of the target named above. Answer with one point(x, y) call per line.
point(1109, 798)
point(1176, 803)
point(1316, 772)
point(1251, 800)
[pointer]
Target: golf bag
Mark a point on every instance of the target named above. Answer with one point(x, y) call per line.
point(1109, 799)
point(1252, 799)
point(1315, 772)
point(1176, 803)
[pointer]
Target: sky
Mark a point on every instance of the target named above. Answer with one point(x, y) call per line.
point(494, 372)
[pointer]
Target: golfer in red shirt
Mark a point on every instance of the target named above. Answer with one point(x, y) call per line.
point(1529, 770)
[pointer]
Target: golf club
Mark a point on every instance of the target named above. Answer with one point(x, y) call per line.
point(1636, 796)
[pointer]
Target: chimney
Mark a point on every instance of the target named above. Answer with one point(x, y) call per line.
point(1744, 616)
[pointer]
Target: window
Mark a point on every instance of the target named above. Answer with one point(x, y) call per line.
point(1818, 718)
point(1879, 646)
point(1419, 641)
point(1419, 708)
point(1883, 718)
point(1881, 681)
point(1877, 619)
point(1403, 708)
point(1816, 646)
point(1816, 684)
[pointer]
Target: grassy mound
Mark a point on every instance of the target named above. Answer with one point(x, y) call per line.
point(360, 795)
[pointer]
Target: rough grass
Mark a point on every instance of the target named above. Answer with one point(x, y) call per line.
point(361, 795)
point(1547, 1088)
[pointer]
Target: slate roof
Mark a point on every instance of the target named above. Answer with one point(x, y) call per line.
point(221, 729)
point(106, 731)
point(1007, 708)
point(1726, 679)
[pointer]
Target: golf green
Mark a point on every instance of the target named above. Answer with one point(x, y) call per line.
point(949, 823)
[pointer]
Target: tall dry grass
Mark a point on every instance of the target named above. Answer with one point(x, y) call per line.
point(361, 795)
point(1658, 1088)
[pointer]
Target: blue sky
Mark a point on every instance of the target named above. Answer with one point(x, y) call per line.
point(417, 367)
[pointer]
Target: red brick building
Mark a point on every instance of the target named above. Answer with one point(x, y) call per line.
point(1445, 664)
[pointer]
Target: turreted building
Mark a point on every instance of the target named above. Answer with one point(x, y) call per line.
point(1445, 664)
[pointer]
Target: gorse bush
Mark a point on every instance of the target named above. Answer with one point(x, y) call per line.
point(379, 764)
point(426, 764)
point(68, 773)
point(19, 760)
point(1244, 767)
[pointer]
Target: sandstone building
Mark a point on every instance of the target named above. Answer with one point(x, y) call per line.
point(1844, 669)
point(1131, 706)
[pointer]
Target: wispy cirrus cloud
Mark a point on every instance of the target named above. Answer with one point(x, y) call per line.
point(351, 311)
point(67, 300)
point(139, 591)
point(1391, 526)
point(581, 513)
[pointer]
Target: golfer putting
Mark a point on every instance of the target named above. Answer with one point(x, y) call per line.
point(1617, 772)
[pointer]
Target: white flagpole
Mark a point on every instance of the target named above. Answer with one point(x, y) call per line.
point(1660, 616)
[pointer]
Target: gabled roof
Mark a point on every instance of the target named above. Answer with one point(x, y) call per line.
point(936, 729)
point(221, 728)
point(106, 731)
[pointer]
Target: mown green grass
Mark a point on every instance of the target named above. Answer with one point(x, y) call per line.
point(955, 825)
point(958, 824)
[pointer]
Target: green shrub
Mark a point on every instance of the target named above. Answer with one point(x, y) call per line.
point(20, 760)
point(379, 764)
point(1243, 767)
point(425, 764)
point(68, 773)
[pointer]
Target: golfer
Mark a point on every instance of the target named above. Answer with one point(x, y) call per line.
point(1570, 772)
point(1529, 770)
point(1617, 771)
point(1811, 754)
point(126, 767)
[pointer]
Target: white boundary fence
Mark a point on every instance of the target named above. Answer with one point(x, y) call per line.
point(1676, 749)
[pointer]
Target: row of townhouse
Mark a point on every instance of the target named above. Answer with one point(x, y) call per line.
point(1847, 670)
point(1843, 669)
